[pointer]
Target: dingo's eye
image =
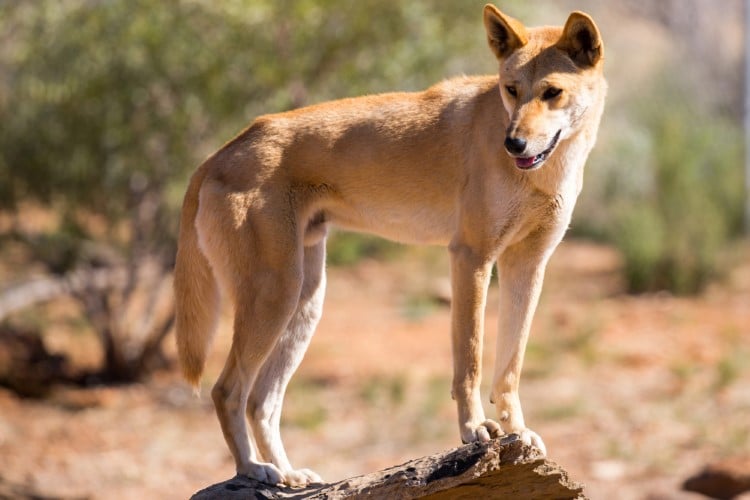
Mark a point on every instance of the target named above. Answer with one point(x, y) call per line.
point(551, 93)
point(511, 90)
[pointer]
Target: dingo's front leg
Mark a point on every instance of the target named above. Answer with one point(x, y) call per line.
point(521, 272)
point(470, 273)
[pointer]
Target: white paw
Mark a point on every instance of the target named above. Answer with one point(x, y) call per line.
point(301, 477)
point(263, 472)
point(532, 438)
point(489, 429)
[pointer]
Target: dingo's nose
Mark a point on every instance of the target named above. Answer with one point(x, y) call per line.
point(515, 145)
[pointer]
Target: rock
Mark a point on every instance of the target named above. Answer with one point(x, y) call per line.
point(724, 479)
point(502, 468)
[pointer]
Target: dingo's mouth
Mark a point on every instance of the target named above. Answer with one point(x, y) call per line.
point(530, 162)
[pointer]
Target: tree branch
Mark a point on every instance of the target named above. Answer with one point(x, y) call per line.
point(502, 468)
point(44, 289)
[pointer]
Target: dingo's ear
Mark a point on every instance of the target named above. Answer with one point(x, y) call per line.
point(581, 40)
point(504, 34)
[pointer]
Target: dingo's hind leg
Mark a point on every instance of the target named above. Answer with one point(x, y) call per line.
point(262, 312)
point(260, 263)
point(229, 396)
point(267, 395)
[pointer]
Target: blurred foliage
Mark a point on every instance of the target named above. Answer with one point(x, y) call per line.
point(105, 101)
point(108, 105)
point(346, 248)
point(673, 237)
point(673, 191)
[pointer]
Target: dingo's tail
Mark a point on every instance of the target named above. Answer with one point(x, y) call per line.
point(196, 291)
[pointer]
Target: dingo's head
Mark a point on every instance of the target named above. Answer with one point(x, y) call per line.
point(549, 78)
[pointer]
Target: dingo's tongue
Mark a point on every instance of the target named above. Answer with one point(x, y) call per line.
point(525, 162)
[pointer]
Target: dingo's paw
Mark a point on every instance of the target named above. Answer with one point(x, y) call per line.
point(489, 429)
point(301, 477)
point(532, 438)
point(263, 472)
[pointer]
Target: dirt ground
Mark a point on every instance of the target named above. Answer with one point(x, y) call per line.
point(631, 394)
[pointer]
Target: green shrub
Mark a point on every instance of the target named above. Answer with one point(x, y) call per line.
point(346, 248)
point(671, 235)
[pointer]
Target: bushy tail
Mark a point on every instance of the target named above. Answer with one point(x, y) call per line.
point(196, 291)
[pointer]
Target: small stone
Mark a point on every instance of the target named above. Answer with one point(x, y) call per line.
point(724, 479)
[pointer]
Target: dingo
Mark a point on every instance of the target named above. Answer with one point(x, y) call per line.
point(489, 166)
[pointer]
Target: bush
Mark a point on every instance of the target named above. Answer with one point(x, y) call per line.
point(672, 234)
point(344, 248)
